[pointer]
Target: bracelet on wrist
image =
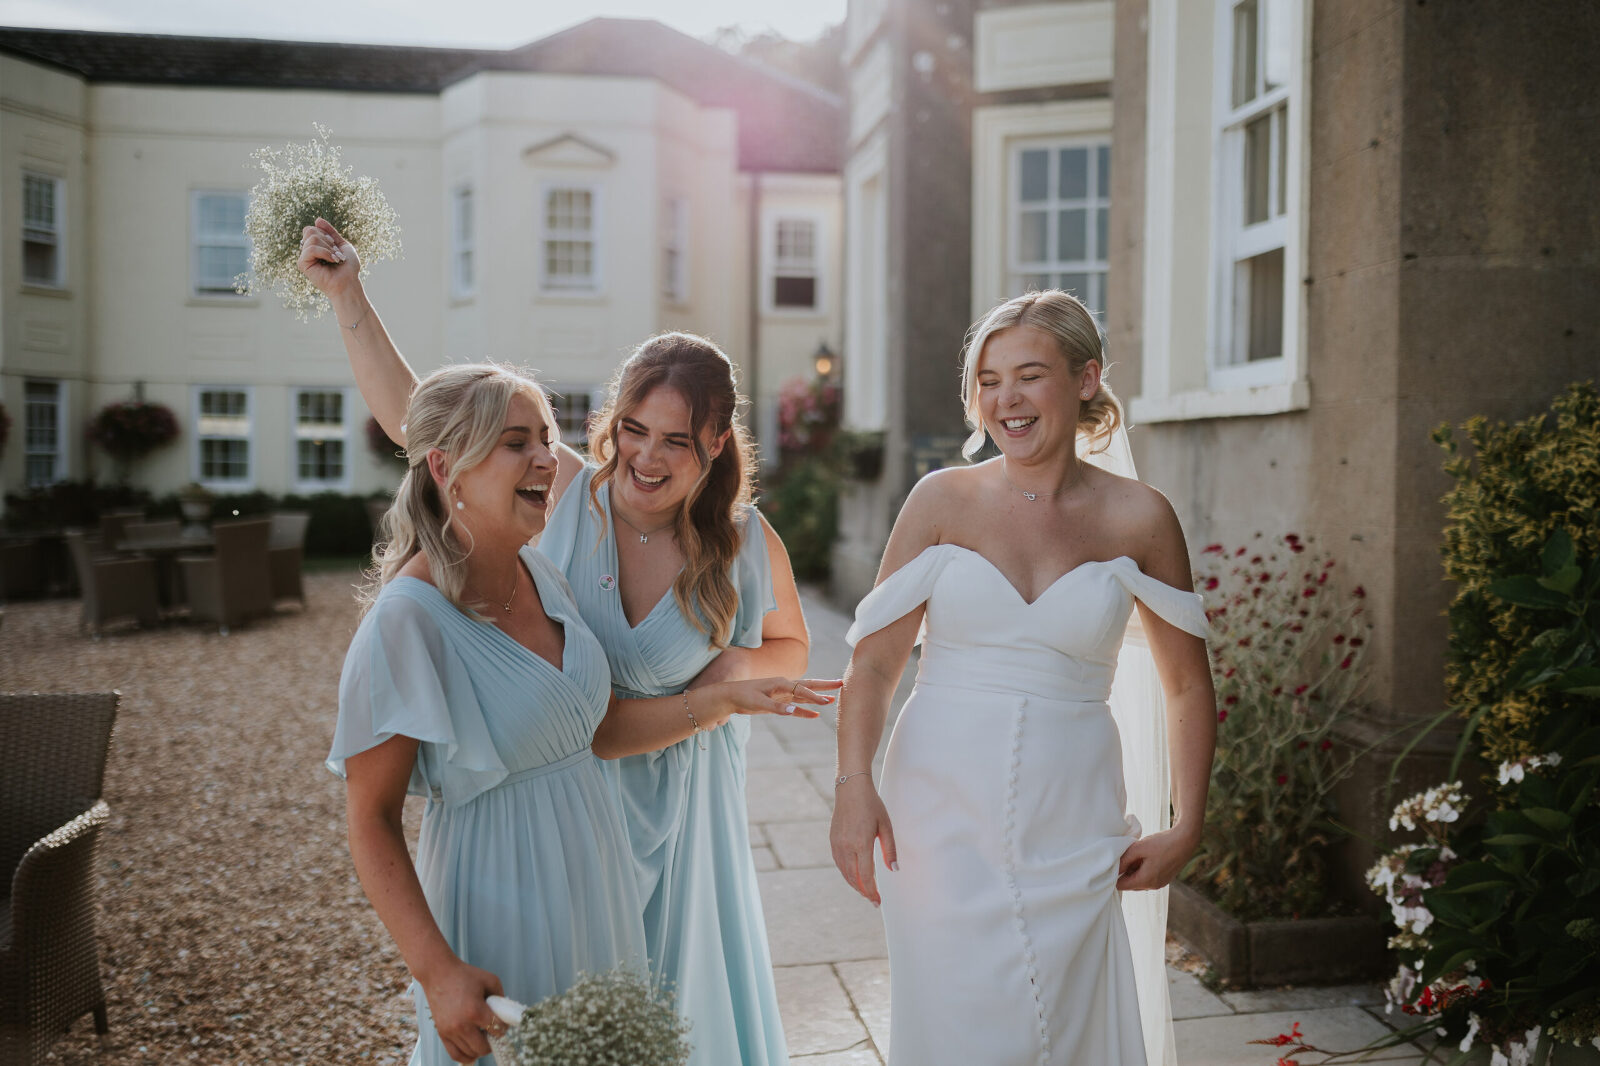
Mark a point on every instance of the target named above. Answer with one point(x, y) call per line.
point(842, 778)
point(694, 723)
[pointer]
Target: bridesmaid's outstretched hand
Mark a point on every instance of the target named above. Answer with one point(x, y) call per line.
point(774, 695)
point(860, 819)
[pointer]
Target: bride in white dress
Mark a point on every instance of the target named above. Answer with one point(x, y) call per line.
point(1008, 828)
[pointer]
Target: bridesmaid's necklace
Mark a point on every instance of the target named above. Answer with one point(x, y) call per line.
point(644, 535)
point(1035, 495)
point(506, 606)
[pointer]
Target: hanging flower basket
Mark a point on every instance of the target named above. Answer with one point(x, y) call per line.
point(131, 429)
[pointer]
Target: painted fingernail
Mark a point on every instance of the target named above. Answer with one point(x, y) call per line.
point(895, 866)
point(788, 708)
point(338, 256)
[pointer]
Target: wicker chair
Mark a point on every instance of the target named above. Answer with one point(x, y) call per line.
point(113, 588)
point(234, 584)
point(52, 765)
point(286, 550)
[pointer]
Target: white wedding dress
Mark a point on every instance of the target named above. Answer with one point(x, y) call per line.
point(1005, 786)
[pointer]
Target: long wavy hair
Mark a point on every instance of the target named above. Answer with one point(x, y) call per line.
point(710, 525)
point(1062, 317)
point(461, 410)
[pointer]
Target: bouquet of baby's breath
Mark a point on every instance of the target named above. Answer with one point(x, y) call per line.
point(607, 1019)
point(301, 183)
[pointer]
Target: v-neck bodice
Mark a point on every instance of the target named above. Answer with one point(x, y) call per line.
point(665, 650)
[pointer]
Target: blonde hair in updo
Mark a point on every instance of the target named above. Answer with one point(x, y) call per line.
point(1063, 318)
point(461, 410)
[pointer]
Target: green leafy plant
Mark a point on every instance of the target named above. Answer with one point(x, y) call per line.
point(1287, 654)
point(803, 506)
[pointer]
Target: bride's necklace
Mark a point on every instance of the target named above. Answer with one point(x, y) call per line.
point(1035, 495)
point(644, 534)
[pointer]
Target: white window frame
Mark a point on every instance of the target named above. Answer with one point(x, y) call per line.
point(241, 240)
point(243, 484)
point(595, 285)
point(1234, 241)
point(53, 234)
point(322, 431)
point(771, 268)
point(1094, 199)
point(675, 250)
point(594, 396)
point(463, 242)
point(58, 448)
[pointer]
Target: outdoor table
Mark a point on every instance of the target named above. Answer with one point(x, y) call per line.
point(165, 552)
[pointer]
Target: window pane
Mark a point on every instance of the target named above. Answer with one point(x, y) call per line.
point(1244, 52)
point(1101, 233)
point(216, 267)
point(221, 214)
point(1257, 169)
point(38, 201)
point(39, 263)
point(1035, 175)
point(321, 460)
point(1073, 236)
point(1102, 169)
point(1032, 238)
point(224, 460)
point(1261, 289)
point(794, 292)
point(1077, 284)
point(1074, 173)
point(1280, 120)
point(1275, 67)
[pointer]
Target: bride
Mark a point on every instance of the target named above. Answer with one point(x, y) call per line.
point(1006, 827)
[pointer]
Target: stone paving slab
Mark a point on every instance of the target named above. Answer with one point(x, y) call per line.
point(867, 982)
point(1274, 999)
point(800, 844)
point(783, 794)
point(863, 1056)
point(814, 917)
point(1191, 999)
point(1224, 1040)
point(817, 1014)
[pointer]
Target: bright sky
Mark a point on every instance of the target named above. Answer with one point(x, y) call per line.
point(461, 23)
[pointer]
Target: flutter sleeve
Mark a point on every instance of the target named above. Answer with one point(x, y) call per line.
point(1186, 610)
point(752, 578)
point(402, 678)
point(900, 593)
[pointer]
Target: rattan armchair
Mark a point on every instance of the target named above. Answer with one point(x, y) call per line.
point(234, 584)
point(286, 549)
point(113, 588)
point(52, 765)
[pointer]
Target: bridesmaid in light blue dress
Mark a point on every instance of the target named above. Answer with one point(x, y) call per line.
point(686, 587)
point(474, 682)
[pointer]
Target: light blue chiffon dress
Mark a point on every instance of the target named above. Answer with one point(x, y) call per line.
point(684, 806)
point(522, 855)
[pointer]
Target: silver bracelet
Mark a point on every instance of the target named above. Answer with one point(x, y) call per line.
point(695, 722)
point(845, 777)
point(352, 326)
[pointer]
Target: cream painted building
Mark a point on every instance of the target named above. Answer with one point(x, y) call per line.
point(559, 203)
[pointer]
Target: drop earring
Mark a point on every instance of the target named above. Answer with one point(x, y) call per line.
point(461, 505)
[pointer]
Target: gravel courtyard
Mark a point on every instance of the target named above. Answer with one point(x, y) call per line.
point(233, 928)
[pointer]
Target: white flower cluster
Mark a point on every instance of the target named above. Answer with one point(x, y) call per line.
point(1441, 803)
point(607, 1019)
point(1517, 769)
point(301, 183)
point(1402, 890)
point(1517, 1052)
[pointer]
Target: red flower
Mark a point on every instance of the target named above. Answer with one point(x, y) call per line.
point(1211, 549)
point(1230, 671)
point(1359, 593)
point(1283, 779)
point(1297, 547)
point(1344, 664)
point(1339, 639)
point(1326, 744)
point(1244, 642)
point(1231, 700)
point(1300, 690)
point(1303, 745)
point(1255, 560)
point(1255, 593)
point(1239, 552)
point(1278, 691)
point(1211, 583)
point(1222, 716)
point(1291, 1037)
point(1308, 593)
point(1292, 538)
point(1297, 628)
point(1322, 578)
point(1356, 642)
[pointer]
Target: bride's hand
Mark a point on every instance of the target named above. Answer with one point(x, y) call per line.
point(328, 260)
point(770, 695)
point(859, 819)
point(1152, 862)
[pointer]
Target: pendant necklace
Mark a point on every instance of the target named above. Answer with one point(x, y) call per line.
point(644, 535)
point(1034, 495)
point(506, 606)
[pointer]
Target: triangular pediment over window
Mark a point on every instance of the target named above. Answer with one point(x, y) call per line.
point(568, 150)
